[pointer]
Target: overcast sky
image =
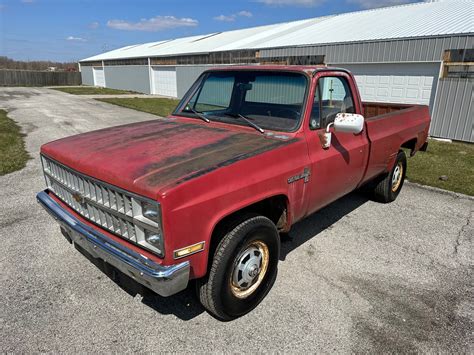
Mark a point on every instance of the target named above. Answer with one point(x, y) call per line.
point(70, 30)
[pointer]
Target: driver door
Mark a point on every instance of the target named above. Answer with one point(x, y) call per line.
point(337, 170)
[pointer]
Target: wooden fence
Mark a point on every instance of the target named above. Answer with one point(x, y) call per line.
point(38, 78)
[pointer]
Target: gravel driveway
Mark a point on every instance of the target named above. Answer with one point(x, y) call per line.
point(356, 277)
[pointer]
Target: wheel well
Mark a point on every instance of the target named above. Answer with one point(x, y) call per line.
point(275, 208)
point(411, 144)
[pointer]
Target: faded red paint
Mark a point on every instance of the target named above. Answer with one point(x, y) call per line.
point(202, 172)
point(156, 155)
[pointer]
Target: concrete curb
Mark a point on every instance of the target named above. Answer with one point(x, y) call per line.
point(437, 189)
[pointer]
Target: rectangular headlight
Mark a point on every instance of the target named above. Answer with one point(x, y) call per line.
point(151, 211)
point(150, 232)
point(154, 238)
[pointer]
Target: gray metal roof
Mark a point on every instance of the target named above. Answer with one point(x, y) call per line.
point(444, 17)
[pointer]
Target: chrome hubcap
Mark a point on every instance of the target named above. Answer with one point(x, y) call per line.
point(397, 176)
point(249, 269)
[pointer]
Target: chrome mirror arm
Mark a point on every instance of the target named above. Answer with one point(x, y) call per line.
point(329, 126)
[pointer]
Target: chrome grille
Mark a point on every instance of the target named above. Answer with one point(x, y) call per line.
point(103, 205)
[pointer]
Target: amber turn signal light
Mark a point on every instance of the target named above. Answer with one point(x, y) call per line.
point(181, 253)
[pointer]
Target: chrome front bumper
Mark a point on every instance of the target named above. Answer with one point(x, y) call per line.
point(164, 280)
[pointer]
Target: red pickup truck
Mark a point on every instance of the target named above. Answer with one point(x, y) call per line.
point(205, 193)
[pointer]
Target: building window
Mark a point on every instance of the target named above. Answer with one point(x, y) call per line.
point(91, 64)
point(458, 63)
point(294, 60)
point(133, 61)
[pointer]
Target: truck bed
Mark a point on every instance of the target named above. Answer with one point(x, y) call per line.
point(374, 109)
point(389, 127)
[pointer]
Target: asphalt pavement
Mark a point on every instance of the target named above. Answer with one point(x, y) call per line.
point(357, 276)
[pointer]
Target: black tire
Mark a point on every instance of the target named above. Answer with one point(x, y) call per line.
point(387, 190)
point(216, 291)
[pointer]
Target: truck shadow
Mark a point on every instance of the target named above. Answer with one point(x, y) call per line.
point(185, 304)
point(314, 224)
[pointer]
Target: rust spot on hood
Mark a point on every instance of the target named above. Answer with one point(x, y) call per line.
point(207, 158)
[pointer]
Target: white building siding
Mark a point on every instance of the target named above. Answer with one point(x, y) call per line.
point(87, 76)
point(99, 76)
point(128, 77)
point(164, 81)
point(413, 83)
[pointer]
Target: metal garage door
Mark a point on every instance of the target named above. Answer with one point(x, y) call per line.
point(164, 81)
point(99, 77)
point(413, 83)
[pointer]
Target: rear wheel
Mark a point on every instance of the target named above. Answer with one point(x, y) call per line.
point(243, 269)
point(388, 189)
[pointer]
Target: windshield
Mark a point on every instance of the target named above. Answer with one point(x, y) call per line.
point(270, 100)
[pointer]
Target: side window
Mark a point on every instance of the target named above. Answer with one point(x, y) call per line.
point(334, 96)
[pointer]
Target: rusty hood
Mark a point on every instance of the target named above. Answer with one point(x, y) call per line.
point(148, 157)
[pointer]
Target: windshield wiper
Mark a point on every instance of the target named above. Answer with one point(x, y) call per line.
point(199, 114)
point(254, 125)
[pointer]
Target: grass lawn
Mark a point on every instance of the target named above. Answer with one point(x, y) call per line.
point(92, 90)
point(453, 160)
point(157, 106)
point(13, 155)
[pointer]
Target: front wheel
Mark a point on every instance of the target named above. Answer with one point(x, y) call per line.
point(243, 269)
point(388, 189)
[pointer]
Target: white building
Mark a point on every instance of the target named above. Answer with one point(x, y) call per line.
point(417, 53)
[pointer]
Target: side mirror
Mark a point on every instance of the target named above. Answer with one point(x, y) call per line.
point(344, 122)
point(349, 123)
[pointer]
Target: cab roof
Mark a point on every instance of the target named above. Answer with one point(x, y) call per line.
point(308, 69)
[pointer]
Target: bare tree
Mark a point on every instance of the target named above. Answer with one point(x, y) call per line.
point(7, 63)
